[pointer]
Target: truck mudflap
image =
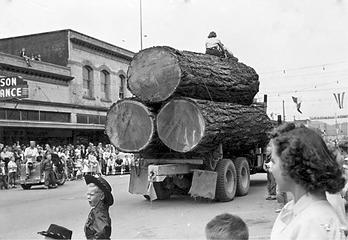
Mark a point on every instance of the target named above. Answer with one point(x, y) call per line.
point(206, 190)
point(147, 176)
point(138, 182)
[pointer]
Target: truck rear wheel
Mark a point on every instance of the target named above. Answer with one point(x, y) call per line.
point(243, 176)
point(26, 186)
point(226, 182)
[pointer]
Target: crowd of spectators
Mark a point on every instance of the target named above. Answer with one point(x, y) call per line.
point(78, 160)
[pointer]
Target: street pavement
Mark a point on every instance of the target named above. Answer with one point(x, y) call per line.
point(23, 213)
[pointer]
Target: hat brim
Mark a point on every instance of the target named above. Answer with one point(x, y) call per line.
point(109, 199)
point(52, 235)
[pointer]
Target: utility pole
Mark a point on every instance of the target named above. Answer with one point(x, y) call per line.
point(336, 129)
point(141, 26)
point(283, 111)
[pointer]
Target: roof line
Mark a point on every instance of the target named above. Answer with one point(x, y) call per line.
point(67, 30)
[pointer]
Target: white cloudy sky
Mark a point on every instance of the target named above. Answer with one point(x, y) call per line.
point(298, 47)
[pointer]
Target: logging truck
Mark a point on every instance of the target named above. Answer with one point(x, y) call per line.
point(214, 177)
point(193, 165)
point(192, 125)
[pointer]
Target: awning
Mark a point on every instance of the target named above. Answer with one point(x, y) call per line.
point(40, 124)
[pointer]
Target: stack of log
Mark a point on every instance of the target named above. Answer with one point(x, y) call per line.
point(187, 103)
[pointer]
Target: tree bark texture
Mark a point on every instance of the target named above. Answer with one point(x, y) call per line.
point(157, 73)
point(186, 125)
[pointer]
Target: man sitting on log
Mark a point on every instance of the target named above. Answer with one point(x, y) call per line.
point(214, 47)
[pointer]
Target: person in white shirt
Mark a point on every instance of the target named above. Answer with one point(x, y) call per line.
point(214, 46)
point(303, 165)
point(30, 155)
point(12, 172)
point(94, 164)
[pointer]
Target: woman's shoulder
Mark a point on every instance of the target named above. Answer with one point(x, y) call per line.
point(320, 210)
point(317, 220)
point(321, 216)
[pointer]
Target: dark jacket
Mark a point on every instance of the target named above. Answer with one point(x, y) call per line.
point(46, 166)
point(98, 225)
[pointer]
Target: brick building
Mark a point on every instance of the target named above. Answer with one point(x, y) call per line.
point(71, 87)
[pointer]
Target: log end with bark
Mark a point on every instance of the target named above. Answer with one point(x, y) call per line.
point(129, 125)
point(180, 125)
point(185, 125)
point(158, 73)
point(154, 74)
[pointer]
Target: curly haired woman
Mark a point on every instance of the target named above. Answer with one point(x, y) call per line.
point(302, 165)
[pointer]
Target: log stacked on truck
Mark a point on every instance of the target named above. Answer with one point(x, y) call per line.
point(130, 125)
point(158, 73)
point(198, 125)
point(187, 102)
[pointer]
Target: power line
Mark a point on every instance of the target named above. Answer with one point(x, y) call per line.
point(324, 73)
point(304, 67)
point(301, 91)
point(310, 87)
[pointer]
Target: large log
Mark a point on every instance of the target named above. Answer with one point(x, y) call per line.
point(157, 73)
point(186, 125)
point(130, 125)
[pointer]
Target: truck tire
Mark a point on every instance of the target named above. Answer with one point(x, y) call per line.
point(26, 186)
point(243, 176)
point(226, 182)
point(161, 192)
point(61, 179)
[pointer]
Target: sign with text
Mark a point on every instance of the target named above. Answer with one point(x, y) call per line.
point(13, 87)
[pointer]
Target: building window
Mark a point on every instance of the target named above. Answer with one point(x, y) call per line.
point(30, 115)
point(87, 81)
point(102, 119)
point(93, 119)
point(122, 83)
point(105, 84)
point(81, 118)
point(2, 113)
point(13, 114)
point(90, 119)
point(54, 117)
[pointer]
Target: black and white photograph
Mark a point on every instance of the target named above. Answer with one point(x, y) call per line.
point(174, 119)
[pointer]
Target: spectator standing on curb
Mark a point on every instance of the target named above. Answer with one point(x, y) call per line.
point(18, 154)
point(271, 184)
point(47, 171)
point(12, 172)
point(94, 164)
point(30, 155)
point(303, 165)
point(282, 199)
point(3, 176)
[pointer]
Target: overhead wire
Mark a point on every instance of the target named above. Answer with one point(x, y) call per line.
point(284, 70)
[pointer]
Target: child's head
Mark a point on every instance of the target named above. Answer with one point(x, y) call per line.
point(226, 226)
point(300, 156)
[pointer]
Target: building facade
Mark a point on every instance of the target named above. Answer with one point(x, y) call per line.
point(72, 80)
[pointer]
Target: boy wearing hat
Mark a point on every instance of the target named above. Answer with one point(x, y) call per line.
point(98, 225)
